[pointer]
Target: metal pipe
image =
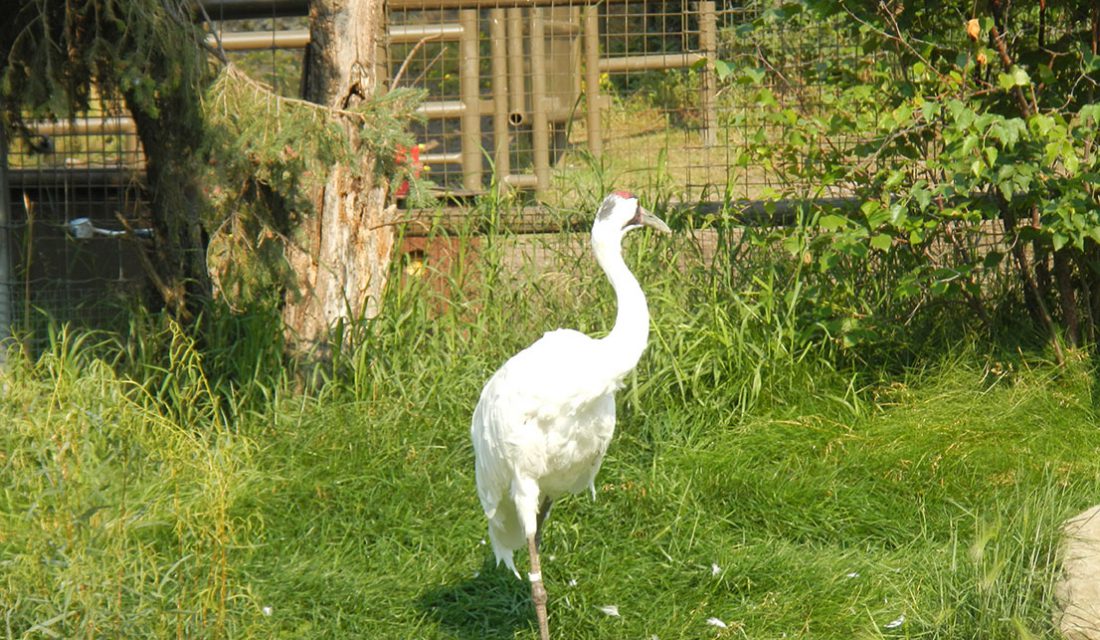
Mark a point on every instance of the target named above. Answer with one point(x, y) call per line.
point(442, 109)
point(404, 33)
point(540, 126)
point(708, 42)
point(575, 54)
point(592, 79)
point(561, 27)
point(498, 51)
point(84, 126)
point(257, 40)
point(440, 158)
point(517, 105)
point(522, 180)
point(469, 88)
point(649, 62)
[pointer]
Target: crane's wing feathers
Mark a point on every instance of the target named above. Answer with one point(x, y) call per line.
point(552, 378)
point(530, 410)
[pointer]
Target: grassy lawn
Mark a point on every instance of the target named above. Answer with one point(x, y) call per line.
point(145, 495)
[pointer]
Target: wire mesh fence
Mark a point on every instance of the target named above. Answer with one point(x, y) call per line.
point(69, 183)
point(564, 99)
point(568, 97)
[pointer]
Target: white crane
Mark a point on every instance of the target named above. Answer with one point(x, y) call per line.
point(545, 418)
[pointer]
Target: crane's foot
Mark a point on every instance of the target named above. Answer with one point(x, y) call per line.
point(538, 590)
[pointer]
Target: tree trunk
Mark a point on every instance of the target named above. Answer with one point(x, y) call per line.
point(170, 138)
point(341, 256)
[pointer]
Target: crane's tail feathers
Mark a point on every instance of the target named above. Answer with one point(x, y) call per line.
point(509, 562)
point(506, 534)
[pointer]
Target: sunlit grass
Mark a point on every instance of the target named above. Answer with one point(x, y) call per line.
point(760, 477)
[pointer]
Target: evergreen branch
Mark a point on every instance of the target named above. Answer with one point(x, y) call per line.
point(236, 74)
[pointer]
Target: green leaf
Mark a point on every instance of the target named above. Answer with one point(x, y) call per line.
point(793, 244)
point(969, 143)
point(922, 195)
point(1090, 113)
point(1070, 160)
point(765, 98)
point(722, 69)
point(991, 155)
point(1046, 75)
point(1016, 77)
point(898, 214)
point(882, 242)
point(832, 222)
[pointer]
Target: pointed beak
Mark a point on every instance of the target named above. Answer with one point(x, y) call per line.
point(645, 217)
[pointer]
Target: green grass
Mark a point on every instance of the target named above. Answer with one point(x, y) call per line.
point(759, 477)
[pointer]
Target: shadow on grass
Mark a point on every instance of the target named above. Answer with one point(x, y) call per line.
point(491, 604)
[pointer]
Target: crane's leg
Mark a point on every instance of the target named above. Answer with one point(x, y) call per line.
point(544, 511)
point(538, 591)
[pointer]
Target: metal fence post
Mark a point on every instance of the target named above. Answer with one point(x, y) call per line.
point(5, 251)
point(498, 41)
point(469, 82)
point(592, 78)
point(708, 42)
point(540, 124)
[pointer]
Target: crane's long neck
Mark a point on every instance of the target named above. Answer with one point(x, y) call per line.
point(627, 340)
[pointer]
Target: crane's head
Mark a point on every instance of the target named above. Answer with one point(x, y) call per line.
point(621, 212)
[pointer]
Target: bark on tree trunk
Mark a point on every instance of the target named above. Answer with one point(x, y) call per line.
point(177, 264)
point(341, 257)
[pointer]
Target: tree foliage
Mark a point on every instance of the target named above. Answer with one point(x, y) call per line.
point(232, 168)
point(60, 57)
point(949, 123)
point(267, 155)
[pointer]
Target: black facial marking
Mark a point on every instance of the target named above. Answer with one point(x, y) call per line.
point(636, 220)
point(606, 208)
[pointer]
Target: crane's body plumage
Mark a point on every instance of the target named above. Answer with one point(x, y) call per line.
point(541, 430)
point(546, 417)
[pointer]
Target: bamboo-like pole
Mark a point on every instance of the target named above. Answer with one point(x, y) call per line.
point(469, 81)
point(517, 104)
point(442, 158)
point(443, 109)
point(257, 40)
point(575, 52)
point(404, 33)
point(84, 126)
point(561, 27)
point(522, 180)
point(648, 62)
point(540, 126)
point(499, 52)
point(708, 42)
point(592, 79)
